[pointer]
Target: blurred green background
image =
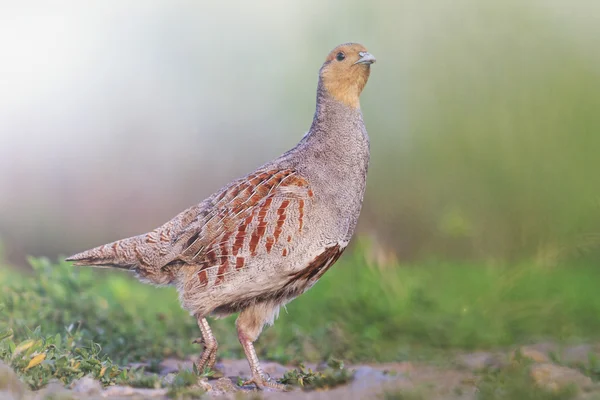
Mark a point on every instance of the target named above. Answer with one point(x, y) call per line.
point(483, 115)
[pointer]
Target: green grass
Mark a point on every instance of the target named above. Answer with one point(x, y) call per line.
point(88, 321)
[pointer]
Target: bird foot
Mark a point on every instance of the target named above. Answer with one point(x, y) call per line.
point(209, 355)
point(261, 383)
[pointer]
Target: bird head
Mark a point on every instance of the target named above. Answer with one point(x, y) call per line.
point(346, 71)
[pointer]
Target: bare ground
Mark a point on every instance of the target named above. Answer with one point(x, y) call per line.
point(552, 367)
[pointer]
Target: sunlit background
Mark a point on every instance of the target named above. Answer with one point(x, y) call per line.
point(484, 118)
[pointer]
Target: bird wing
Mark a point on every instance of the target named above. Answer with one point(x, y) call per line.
point(243, 220)
point(246, 219)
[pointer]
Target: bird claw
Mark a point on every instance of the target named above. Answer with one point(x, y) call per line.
point(208, 357)
point(261, 383)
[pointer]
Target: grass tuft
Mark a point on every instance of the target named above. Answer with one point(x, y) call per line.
point(185, 387)
point(307, 379)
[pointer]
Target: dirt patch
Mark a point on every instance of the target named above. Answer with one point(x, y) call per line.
point(458, 379)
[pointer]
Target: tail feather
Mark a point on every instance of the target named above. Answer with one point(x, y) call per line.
point(81, 260)
point(119, 254)
point(143, 254)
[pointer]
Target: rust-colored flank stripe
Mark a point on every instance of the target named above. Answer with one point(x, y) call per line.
point(260, 230)
point(241, 235)
point(280, 219)
point(236, 190)
point(239, 262)
point(269, 244)
point(300, 214)
point(203, 277)
point(212, 258)
point(262, 188)
point(255, 179)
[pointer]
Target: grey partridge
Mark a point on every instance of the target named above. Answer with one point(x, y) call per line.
point(266, 238)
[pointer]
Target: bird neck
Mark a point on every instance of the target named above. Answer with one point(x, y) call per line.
point(337, 149)
point(333, 116)
point(337, 131)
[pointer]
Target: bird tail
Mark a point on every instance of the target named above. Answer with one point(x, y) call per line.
point(120, 254)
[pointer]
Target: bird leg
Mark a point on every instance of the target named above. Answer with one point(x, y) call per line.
point(249, 325)
point(259, 378)
point(209, 355)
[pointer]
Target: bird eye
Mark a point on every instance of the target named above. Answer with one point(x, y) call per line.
point(340, 56)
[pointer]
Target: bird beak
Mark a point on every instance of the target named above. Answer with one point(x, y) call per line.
point(365, 58)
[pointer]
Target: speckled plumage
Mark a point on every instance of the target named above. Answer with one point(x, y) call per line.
point(264, 239)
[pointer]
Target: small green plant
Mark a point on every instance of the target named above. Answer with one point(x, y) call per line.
point(205, 373)
point(335, 374)
point(185, 387)
point(240, 381)
point(591, 369)
point(39, 359)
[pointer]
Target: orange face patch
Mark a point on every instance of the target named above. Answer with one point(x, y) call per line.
point(342, 77)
